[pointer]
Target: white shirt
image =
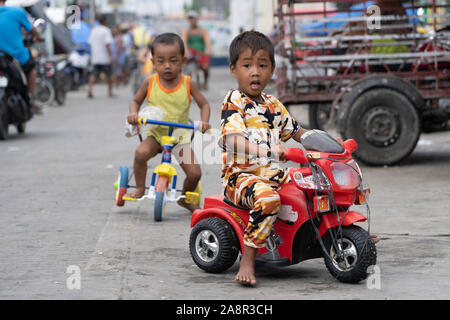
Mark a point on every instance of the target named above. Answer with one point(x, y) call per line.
point(99, 38)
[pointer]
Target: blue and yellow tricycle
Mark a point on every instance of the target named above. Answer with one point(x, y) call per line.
point(162, 188)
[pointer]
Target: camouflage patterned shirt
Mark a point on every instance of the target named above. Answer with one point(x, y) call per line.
point(264, 124)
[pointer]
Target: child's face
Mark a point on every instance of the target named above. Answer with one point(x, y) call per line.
point(167, 60)
point(253, 72)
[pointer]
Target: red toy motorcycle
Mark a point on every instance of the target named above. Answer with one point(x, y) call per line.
point(314, 221)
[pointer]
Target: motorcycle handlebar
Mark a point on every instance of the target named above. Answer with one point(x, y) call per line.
point(298, 155)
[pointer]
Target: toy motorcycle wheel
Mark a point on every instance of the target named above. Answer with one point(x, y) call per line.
point(359, 253)
point(213, 244)
point(121, 186)
point(160, 194)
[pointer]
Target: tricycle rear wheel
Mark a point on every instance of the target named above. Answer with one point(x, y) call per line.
point(121, 185)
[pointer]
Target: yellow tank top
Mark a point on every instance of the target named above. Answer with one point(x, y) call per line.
point(175, 102)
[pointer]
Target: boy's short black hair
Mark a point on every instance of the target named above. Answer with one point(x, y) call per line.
point(168, 38)
point(253, 40)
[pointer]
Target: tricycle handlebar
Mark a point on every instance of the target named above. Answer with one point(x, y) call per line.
point(167, 123)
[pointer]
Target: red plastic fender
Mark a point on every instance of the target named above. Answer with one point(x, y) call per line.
point(331, 221)
point(200, 215)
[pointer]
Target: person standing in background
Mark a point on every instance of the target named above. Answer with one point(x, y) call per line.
point(127, 43)
point(197, 41)
point(119, 57)
point(101, 56)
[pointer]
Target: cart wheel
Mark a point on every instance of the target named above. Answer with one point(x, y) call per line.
point(318, 114)
point(385, 124)
point(121, 186)
point(160, 204)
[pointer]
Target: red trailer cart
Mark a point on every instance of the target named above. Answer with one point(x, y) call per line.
point(379, 71)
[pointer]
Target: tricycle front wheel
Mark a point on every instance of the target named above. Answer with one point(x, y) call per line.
point(160, 194)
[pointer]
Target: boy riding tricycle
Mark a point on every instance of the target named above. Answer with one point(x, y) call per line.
point(170, 91)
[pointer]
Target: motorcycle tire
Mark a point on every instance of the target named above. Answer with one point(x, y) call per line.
point(68, 81)
point(214, 245)
point(359, 254)
point(4, 121)
point(44, 93)
point(21, 127)
point(60, 96)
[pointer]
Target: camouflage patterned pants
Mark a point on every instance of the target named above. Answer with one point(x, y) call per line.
point(260, 196)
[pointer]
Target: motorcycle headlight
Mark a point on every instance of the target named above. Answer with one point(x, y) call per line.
point(346, 174)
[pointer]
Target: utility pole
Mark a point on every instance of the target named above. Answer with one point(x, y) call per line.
point(92, 12)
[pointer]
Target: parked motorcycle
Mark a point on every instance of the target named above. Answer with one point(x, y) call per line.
point(77, 68)
point(15, 103)
point(44, 94)
point(56, 76)
point(314, 221)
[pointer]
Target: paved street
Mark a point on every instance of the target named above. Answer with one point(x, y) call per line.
point(58, 218)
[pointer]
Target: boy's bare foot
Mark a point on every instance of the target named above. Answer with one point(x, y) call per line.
point(246, 273)
point(137, 193)
point(375, 238)
point(190, 206)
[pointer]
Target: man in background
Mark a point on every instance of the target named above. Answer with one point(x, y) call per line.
point(100, 41)
point(197, 41)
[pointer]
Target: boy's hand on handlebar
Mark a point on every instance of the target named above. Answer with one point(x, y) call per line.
point(133, 118)
point(279, 152)
point(204, 126)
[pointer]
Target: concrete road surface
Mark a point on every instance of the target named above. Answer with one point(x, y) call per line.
point(63, 237)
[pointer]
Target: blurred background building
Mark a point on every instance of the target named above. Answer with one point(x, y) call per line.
point(224, 19)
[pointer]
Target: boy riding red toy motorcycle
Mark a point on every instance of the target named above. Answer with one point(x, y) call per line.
point(315, 219)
